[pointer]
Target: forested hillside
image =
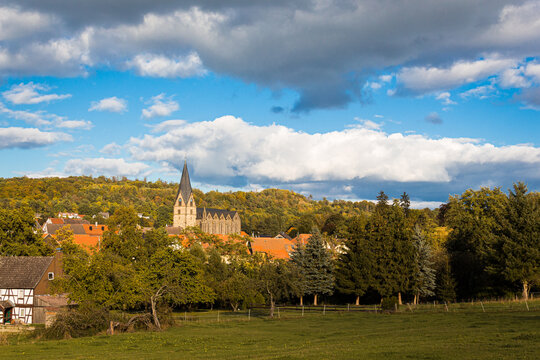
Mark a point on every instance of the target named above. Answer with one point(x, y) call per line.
point(266, 212)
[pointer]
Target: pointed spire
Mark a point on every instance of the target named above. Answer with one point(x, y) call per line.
point(185, 184)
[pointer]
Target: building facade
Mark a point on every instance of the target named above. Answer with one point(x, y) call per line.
point(22, 279)
point(212, 221)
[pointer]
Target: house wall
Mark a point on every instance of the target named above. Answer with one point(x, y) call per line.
point(44, 285)
point(23, 299)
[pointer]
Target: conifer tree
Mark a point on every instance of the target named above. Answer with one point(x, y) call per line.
point(425, 277)
point(318, 268)
point(354, 269)
point(518, 249)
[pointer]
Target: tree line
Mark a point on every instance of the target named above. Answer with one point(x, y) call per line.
point(481, 243)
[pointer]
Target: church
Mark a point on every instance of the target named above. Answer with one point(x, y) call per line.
point(212, 221)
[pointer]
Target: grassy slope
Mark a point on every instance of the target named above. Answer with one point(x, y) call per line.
point(503, 335)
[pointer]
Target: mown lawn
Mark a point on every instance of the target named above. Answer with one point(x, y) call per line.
point(452, 335)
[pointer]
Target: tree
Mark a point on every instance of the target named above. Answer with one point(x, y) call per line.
point(299, 260)
point(318, 268)
point(405, 202)
point(475, 218)
point(174, 278)
point(277, 279)
point(18, 236)
point(517, 250)
point(354, 268)
point(425, 275)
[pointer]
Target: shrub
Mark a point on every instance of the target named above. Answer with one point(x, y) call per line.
point(389, 303)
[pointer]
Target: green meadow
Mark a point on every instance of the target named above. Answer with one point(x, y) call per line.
point(459, 333)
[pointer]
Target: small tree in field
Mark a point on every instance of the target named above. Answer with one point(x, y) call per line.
point(277, 280)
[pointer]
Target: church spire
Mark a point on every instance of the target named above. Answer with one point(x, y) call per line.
point(185, 184)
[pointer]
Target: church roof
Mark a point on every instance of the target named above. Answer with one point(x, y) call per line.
point(213, 212)
point(185, 184)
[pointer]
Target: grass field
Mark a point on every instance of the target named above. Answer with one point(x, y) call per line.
point(497, 333)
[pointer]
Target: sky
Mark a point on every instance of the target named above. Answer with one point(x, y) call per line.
point(338, 99)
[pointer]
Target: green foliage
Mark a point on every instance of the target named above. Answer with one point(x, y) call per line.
point(517, 251)
point(266, 212)
point(425, 275)
point(354, 271)
point(317, 267)
point(475, 219)
point(18, 236)
point(77, 322)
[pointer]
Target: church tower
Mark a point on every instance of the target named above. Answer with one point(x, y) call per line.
point(185, 210)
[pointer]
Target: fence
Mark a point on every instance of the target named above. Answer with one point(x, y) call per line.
point(288, 311)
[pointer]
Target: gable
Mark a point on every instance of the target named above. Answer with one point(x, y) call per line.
point(22, 272)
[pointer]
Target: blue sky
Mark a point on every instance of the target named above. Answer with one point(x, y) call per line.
point(338, 99)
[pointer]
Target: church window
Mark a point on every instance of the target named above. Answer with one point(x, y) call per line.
point(191, 202)
point(191, 211)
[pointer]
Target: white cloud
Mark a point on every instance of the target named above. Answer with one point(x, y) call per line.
point(444, 97)
point(112, 104)
point(386, 78)
point(26, 138)
point(161, 106)
point(28, 94)
point(423, 80)
point(34, 118)
point(73, 124)
point(533, 70)
point(105, 166)
point(228, 147)
point(111, 149)
point(168, 125)
point(367, 124)
point(481, 92)
point(513, 78)
point(46, 173)
point(17, 24)
point(162, 66)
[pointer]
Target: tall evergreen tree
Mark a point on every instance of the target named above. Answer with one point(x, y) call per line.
point(425, 276)
point(354, 269)
point(518, 247)
point(318, 268)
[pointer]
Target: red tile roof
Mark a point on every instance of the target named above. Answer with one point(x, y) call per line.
point(278, 248)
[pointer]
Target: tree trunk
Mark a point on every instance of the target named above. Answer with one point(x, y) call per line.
point(525, 290)
point(315, 299)
point(357, 300)
point(153, 299)
point(415, 302)
point(272, 306)
point(301, 300)
point(399, 298)
point(154, 313)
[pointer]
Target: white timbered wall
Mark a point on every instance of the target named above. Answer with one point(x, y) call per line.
point(23, 299)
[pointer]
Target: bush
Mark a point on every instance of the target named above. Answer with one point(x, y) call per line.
point(77, 322)
point(389, 303)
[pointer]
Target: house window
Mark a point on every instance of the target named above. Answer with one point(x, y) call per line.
point(51, 276)
point(21, 312)
point(103, 228)
point(20, 296)
point(90, 228)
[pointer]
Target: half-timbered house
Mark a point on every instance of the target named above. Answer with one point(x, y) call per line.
point(22, 278)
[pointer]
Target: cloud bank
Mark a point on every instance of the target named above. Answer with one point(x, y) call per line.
point(231, 151)
point(325, 50)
